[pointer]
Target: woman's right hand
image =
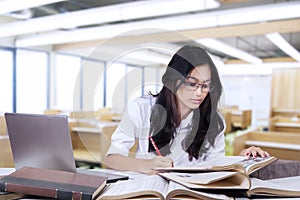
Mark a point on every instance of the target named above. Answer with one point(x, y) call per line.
point(124, 163)
point(158, 162)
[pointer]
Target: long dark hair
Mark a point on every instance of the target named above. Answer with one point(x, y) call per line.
point(165, 115)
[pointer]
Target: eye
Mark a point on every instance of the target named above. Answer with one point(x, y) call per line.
point(205, 86)
point(191, 84)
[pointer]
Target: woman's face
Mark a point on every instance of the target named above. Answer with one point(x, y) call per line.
point(192, 93)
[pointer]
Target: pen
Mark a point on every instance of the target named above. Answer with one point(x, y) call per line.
point(154, 145)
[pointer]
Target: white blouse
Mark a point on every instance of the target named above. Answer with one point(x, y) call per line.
point(135, 125)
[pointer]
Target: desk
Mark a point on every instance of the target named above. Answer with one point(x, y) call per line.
point(241, 118)
point(280, 144)
point(238, 118)
point(285, 124)
point(6, 158)
point(130, 174)
point(87, 139)
point(6, 171)
point(92, 144)
point(136, 176)
point(287, 127)
point(285, 112)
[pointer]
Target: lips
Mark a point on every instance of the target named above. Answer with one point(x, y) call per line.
point(196, 101)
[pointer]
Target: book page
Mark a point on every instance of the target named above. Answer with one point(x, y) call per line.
point(236, 181)
point(253, 164)
point(148, 186)
point(202, 178)
point(222, 162)
point(287, 182)
point(177, 191)
point(277, 187)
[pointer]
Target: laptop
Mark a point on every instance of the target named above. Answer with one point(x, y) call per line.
point(44, 141)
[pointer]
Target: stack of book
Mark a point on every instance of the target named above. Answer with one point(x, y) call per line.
point(215, 180)
point(232, 176)
point(220, 179)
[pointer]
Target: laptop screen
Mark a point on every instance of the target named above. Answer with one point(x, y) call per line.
point(44, 141)
point(40, 141)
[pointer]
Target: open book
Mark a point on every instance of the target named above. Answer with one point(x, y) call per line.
point(225, 163)
point(236, 183)
point(281, 187)
point(227, 174)
point(207, 181)
point(156, 187)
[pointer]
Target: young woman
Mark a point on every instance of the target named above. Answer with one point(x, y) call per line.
point(180, 125)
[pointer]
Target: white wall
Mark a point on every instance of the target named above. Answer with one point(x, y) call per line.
point(249, 92)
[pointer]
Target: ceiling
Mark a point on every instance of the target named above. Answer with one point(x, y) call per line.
point(249, 37)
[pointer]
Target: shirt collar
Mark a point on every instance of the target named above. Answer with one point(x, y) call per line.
point(187, 121)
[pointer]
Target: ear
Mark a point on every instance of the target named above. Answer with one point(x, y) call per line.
point(177, 85)
point(177, 82)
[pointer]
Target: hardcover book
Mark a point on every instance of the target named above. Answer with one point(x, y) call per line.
point(53, 183)
point(155, 187)
point(226, 174)
point(221, 180)
point(280, 187)
point(233, 179)
point(226, 163)
point(206, 182)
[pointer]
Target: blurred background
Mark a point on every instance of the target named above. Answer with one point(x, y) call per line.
point(87, 59)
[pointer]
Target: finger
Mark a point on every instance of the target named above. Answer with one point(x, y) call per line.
point(164, 161)
point(253, 153)
point(262, 153)
point(267, 154)
point(167, 160)
point(165, 164)
point(248, 154)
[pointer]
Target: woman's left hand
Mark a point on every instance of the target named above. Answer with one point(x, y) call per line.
point(254, 152)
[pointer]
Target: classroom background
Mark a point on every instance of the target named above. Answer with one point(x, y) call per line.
point(87, 59)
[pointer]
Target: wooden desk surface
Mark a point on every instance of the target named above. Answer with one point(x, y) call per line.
point(96, 130)
point(136, 176)
point(287, 124)
point(90, 125)
point(132, 175)
point(96, 127)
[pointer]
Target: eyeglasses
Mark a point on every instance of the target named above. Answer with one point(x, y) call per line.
point(191, 86)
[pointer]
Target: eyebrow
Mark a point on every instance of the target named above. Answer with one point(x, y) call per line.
point(188, 77)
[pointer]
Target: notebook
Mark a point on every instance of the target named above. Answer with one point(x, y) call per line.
point(44, 141)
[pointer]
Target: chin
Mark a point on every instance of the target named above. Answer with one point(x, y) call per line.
point(194, 106)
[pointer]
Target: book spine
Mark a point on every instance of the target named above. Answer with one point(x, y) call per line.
point(73, 195)
point(59, 194)
point(23, 189)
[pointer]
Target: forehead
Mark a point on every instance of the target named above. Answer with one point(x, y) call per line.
point(201, 73)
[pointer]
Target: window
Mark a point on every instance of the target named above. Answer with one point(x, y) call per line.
point(152, 80)
point(32, 80)
point(6, 80)
point(92, 85)
point(116, 86)
point(134, 82)
point(67, 83)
